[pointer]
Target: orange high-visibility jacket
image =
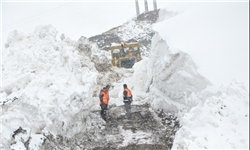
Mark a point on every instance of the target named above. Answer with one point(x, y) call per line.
point(105, 97)
point(129, 93)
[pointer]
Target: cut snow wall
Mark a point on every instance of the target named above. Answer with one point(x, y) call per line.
point(175, 82)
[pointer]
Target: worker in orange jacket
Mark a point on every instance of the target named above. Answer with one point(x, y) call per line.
point(127, 99)
point(104, 100)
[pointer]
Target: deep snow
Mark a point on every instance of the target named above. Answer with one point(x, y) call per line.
point(56, 83)
point(214, 34)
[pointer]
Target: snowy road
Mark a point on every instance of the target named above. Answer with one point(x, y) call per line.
point(146, 130)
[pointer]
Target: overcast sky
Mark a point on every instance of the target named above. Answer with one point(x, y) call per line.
point(75, 19)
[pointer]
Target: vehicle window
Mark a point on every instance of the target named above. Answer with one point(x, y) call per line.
point(136, 50)
point(115, 51)
point(126, 49)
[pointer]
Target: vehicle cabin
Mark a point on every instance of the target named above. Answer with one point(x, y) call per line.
point(125, 55)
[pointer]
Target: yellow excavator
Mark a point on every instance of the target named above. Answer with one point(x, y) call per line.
point(125, 54)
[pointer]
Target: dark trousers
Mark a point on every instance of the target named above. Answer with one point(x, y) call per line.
point(128, 109)
point(104, 108)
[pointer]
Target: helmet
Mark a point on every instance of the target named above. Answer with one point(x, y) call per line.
point(125, 85)
point(108, 86)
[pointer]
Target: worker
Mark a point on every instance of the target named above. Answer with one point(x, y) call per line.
point(104, 100)
point(122, 49)
point(130, 53)
point(127, 99)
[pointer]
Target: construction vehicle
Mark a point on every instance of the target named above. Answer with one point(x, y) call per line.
point(125, 54)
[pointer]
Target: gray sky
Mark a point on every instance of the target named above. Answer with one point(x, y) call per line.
point(75, 19)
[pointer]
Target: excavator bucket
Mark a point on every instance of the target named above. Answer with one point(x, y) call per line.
point(125, 55)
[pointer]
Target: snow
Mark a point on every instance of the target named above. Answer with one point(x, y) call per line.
point(47, 78)
point(54, 83)
point(138, 30)
point(174, 78)
point(214, 34)
point(222, 122)
point(215, 106)
point(34, 144)
point(137, 137)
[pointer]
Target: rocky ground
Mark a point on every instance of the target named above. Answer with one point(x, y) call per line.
point(146, 130)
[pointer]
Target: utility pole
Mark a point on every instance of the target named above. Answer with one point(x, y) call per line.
point(155, 6)
point(137, 8)
point(146, 5)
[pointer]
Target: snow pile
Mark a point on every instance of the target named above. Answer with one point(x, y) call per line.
point(214, 34)
point(222, 122)
point(140, 76)
point(52, 82)
point(174, 81)
point(213, 118)
point(210, 37)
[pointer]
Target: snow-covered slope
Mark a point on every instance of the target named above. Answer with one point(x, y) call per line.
point(138, 29)
point(221, 123)
point(52, 81)
point(211, 118)
point(176, 83)
point(215, 35)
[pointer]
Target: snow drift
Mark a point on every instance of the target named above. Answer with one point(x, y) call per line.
point(52, 81)
point(214, 34)
point(210, 33)
point(213, 109)
point(171, 78)
point(221, 123)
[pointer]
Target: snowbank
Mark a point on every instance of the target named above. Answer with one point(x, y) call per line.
point(52, 82)
point(221, 123)
point(175, 83)
point(214, 34)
